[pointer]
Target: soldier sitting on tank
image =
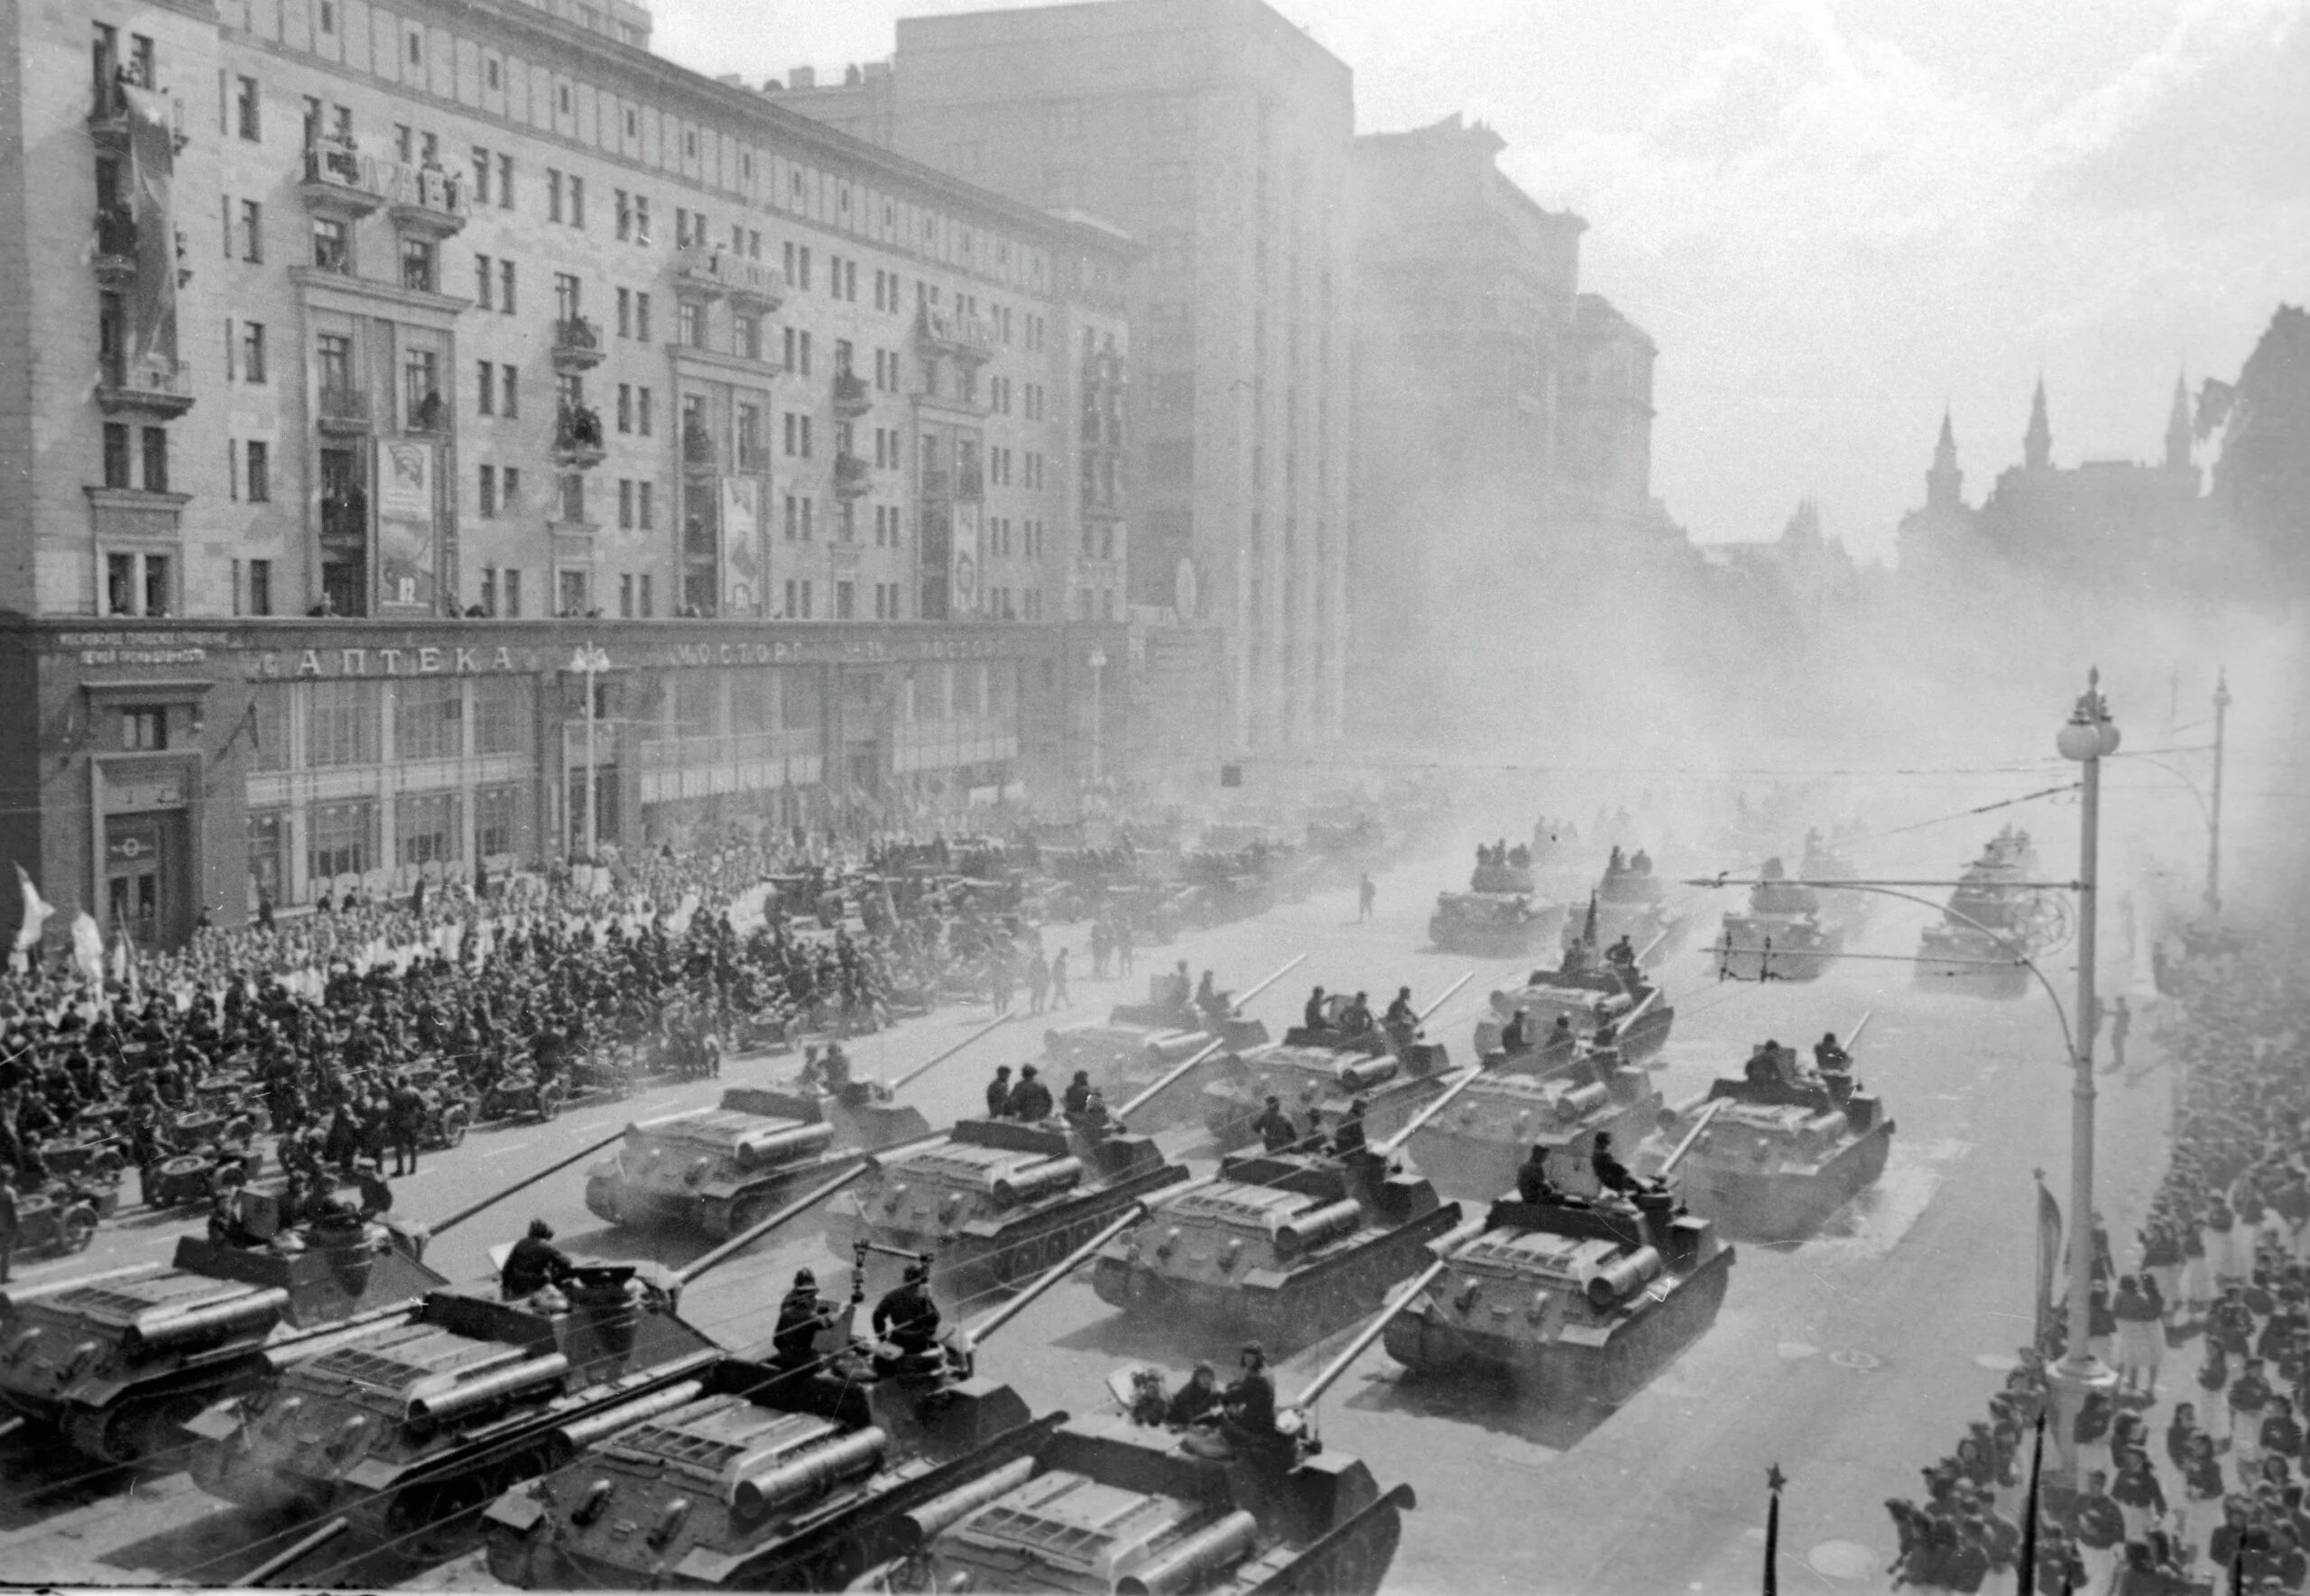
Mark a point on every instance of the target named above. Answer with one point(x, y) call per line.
point(1077, 1095)
point(908, 1320)
point(1150, 1403)
point(1030, 1099)
point(1612, 1174)
point(1347, 1137)
point(376, 1194)
point(1621, 955)
point(1248, 1405)
point(1829, 1059)
point(1315, 1017)
point(1618, 863)
point(1209, 998)
point(532, 1264)
point(1193, 1402)
point(1558, 1045)
point(1532, 1182)
point(1094, 1122)
point(1640, 862)
point(1763, 1067)
point(1516, 1035)
point(998, 1094)
point(1521, 855)
point(1276, 1131)
point(800, 1316)
point(335, 1225)
point(1355, 1019)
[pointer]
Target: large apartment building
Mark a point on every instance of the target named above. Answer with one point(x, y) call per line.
point(1219, 134)
point(382, 390)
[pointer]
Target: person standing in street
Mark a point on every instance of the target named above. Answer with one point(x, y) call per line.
point(1122, 945)
point(7, 1220)
point(1365, 893)
point(1038, 981)
point(1058, 980)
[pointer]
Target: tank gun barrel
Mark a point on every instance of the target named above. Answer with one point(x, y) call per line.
point(1853, 1037)
point(1249, 992)
point(1443, 997)
point(579, 1433)
point(1645, 951)
point(763, 1227)
point(1177, 1073)
point(1676, 1154)
point(1073, 1260)
point(311, 1543)
point(989, 1028)
point(470, 1209)
point(1630, 1018)
point(1363, 1338)
point(1435, 1106)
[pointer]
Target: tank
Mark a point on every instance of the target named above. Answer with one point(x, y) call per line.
point(996, 1200)
point(1472, 1150)
point(1576, 1299)
point(719, 1170)
point(1498, 916)
point(1317, 1074)
point(1601, 1004)
point(1139, 1043)
point(1629, 900)
point(410, 1427)
point(1848, 911)
point(1781, 935)
point(1776, 1158)
point(1287, 1246)
point(116, 1363)
point(1993, 922)
point(1110, 1507)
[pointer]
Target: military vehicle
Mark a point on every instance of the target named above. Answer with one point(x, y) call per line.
point(1825, 864)
point(719, 1170)
point(409, 1427)
point(1629, 900)
point(115, 1362)
point(1472, 1145)
point(1568, 1290)
point(1288, 1246)
point(1317, 1073)
point(1501, 916)
point(775, 1474)
point(1138, 1043)
point(1781, 935)
point(998, 1201)
point(1120, 1503)
point(1600, 1004)
point(1778, 1152)
point(1996, 917)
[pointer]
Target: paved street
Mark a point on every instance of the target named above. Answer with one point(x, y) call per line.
point(1850, 1361)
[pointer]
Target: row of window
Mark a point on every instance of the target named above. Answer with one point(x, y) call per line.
point(342, 837)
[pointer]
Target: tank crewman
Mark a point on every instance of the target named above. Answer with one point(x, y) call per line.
point(1182, 985)
point(1094, 1122)
point(534, 1263)
point(1559, 1042)
point(802, 1314)
point(1313, 1016)
point(1193, 1401)
point(1348, 1138)
point(1207, 997)
point(1401, 1018)
point(1030, 1099)
point(1763, 1067)
point(1276, 1133)
point(406, 1110)
point(1830, 1058)
point(1641, 862)
point(1532, 1182)
point(1516, 1035)
point(1250, 1400)
point(1077, 1095)
point(998, 1094)
point(1355, 1019)
point(1617, 865)
point(1621, 955)
point(906, 1317)
point(834, 1069)
point(1611, 1173)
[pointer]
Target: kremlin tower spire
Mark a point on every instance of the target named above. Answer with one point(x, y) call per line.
point(2038, 443)
point(1945, 484)
point(2177, 428)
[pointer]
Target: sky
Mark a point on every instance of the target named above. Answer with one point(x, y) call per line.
point(1836, 217)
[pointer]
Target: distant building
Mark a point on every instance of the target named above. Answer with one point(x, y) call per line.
point(1219, 134)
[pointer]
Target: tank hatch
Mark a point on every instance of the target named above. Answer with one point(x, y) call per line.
point(1253, 1208)
point(415, 1360)
point(119, 1303)
point(1071, 1521)
point(1537, 1255)
point(720, 1438)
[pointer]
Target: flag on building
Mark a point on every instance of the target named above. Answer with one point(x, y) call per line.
point(2049, 1258)
point(36, 913)
point(88, 947)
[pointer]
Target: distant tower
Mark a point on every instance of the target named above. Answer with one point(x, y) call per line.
point(2177, 428)
point(2038, 443)
point(1944, 484)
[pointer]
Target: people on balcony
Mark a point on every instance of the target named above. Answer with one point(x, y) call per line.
point(578, 427)
point(427, 415)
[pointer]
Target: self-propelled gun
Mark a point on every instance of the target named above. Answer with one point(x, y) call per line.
point(1317, 1071)
point(1137, 1043)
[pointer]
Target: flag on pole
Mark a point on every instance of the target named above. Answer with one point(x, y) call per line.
point(88, 947)
point(36, 913)
point(1774, 1480)
point(2028, 1583)
point(2048, 1258)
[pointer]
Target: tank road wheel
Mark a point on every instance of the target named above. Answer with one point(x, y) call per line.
point(1014, 1263)
point(1054, 1249)
point(747, 1213)
point(433, 1523)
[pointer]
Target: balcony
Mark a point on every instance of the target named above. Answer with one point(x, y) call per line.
point(576, 345)
point(345, 522)
point(343, 412)
point(426, 200)
point(698, 453)
point(163, 395)
point(115, 260)
point(109, 112)
point(427, 415)
point(340, 181)
point(851, 475)
point(708, 272)
point(577, 438)
point(852, 397)
point(965, 338)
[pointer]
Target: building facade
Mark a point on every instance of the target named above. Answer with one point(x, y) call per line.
point(1219, 134)
point(486, 344)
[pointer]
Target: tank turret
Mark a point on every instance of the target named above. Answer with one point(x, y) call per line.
point(1287, 1246)
point(997, 1201)
point(1576, 1298)
point(1780, 935)
point(1317, 1073)
point(1994, 921)
point(717, 1170)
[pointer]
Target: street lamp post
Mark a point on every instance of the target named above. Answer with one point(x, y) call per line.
point(588, 660)
point(1098, 664)
point(2088, 738)
point(2213, 839)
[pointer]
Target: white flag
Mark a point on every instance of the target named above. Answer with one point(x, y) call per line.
point(36, 913)
point(88, 946)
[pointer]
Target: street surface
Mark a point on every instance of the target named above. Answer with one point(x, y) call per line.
point(1850, 1361)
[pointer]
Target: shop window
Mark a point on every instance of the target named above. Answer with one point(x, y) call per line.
point(428, 719)
point(426, 824)
point(343, 838)
point(342, 728)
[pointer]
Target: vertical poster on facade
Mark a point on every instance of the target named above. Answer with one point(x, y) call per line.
point(967, 566)
point(151, 171)
point(406, 552)
point(742, 557)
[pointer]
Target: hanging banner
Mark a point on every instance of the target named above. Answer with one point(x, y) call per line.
point(742, 556)
point(152, 181)
point(406, 562)
point(967, 564)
